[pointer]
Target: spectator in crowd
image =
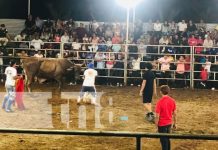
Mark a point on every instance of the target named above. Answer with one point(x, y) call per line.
point(191, 28)
point(202, 26)
point(4, 37)
point(164, 40)
point(36, 43)
point(180, 72)
point(108, 33)
point(29, 25)
point(182, 27)
point(110, 57)
point(38, 54)
point(136, 73)
point(165, 116)
point(39, 24)
point(157, 28)
point(81, 31)
point(100, 59)
point(20, 37)
point(165, 68)
point(45, 36)
point(173, 27)
point(118, 71)
point(208, 43)
point(192, 41)
point(165, 28)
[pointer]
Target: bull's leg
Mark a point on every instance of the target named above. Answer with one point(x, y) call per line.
point(60, 83)
point(28, 84)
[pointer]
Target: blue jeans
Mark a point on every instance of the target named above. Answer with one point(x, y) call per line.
point(9, 97)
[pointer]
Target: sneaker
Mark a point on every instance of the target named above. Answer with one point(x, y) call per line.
point(118, 84)
point(131, 84)
point(9, 110)
point(78, 100)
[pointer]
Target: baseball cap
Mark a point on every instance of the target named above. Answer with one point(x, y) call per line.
point(90, 65)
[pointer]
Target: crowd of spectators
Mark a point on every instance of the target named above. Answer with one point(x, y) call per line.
point(96, 41)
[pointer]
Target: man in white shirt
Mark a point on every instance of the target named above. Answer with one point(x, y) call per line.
point(89, 84)
point(37, 43)
point(182, 26)
point(11, 76)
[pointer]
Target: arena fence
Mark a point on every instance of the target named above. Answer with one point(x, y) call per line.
point(149, 54)
point(138, 136)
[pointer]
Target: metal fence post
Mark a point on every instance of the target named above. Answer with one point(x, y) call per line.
point(138, 143)
point(192, 68)
point(62, 50)
point(125, 64)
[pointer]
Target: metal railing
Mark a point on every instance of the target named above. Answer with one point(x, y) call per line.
point(138, 136)
point(126, 59)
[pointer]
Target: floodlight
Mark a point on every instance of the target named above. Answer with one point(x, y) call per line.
point(128, 3)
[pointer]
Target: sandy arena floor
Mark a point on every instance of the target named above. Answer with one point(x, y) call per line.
point(197, 114)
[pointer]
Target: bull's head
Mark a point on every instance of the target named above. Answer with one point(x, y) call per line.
point(77, 71)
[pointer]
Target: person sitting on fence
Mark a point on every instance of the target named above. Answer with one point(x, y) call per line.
point(4, 37)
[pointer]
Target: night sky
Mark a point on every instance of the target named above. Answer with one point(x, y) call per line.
point(109, 10)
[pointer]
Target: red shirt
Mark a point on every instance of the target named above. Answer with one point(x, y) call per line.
point(165, 108)
point(204, 75)
point(187, 63)
point(192, 41)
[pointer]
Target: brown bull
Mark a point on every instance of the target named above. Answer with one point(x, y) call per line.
point(48, 68)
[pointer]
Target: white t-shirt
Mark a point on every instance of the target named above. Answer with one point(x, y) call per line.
point(90, 75)
point(157, 26)
point(207, 66)
point(65, 39)
point(165, 63)
point(182, 26)
point(136, 64)
point(10, 74)
point(37, 44)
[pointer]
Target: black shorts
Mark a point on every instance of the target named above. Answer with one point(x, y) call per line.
point(89, 89)
point(147, 97)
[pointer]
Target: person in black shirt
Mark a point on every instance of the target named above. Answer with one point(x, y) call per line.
point(147, 89)
point(3, 35)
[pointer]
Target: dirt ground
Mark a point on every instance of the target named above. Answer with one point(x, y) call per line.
point(197, 114)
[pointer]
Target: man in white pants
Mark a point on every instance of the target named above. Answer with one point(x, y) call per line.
point(89, 84)
point(11, 76)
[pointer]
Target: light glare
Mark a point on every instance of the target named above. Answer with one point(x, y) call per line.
point(128, 3)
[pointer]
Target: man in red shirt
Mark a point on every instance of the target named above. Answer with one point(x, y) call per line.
point(165, 115)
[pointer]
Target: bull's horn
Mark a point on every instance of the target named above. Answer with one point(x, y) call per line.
point(79, 65)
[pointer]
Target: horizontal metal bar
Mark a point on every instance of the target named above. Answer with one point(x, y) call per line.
point(111, 133)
